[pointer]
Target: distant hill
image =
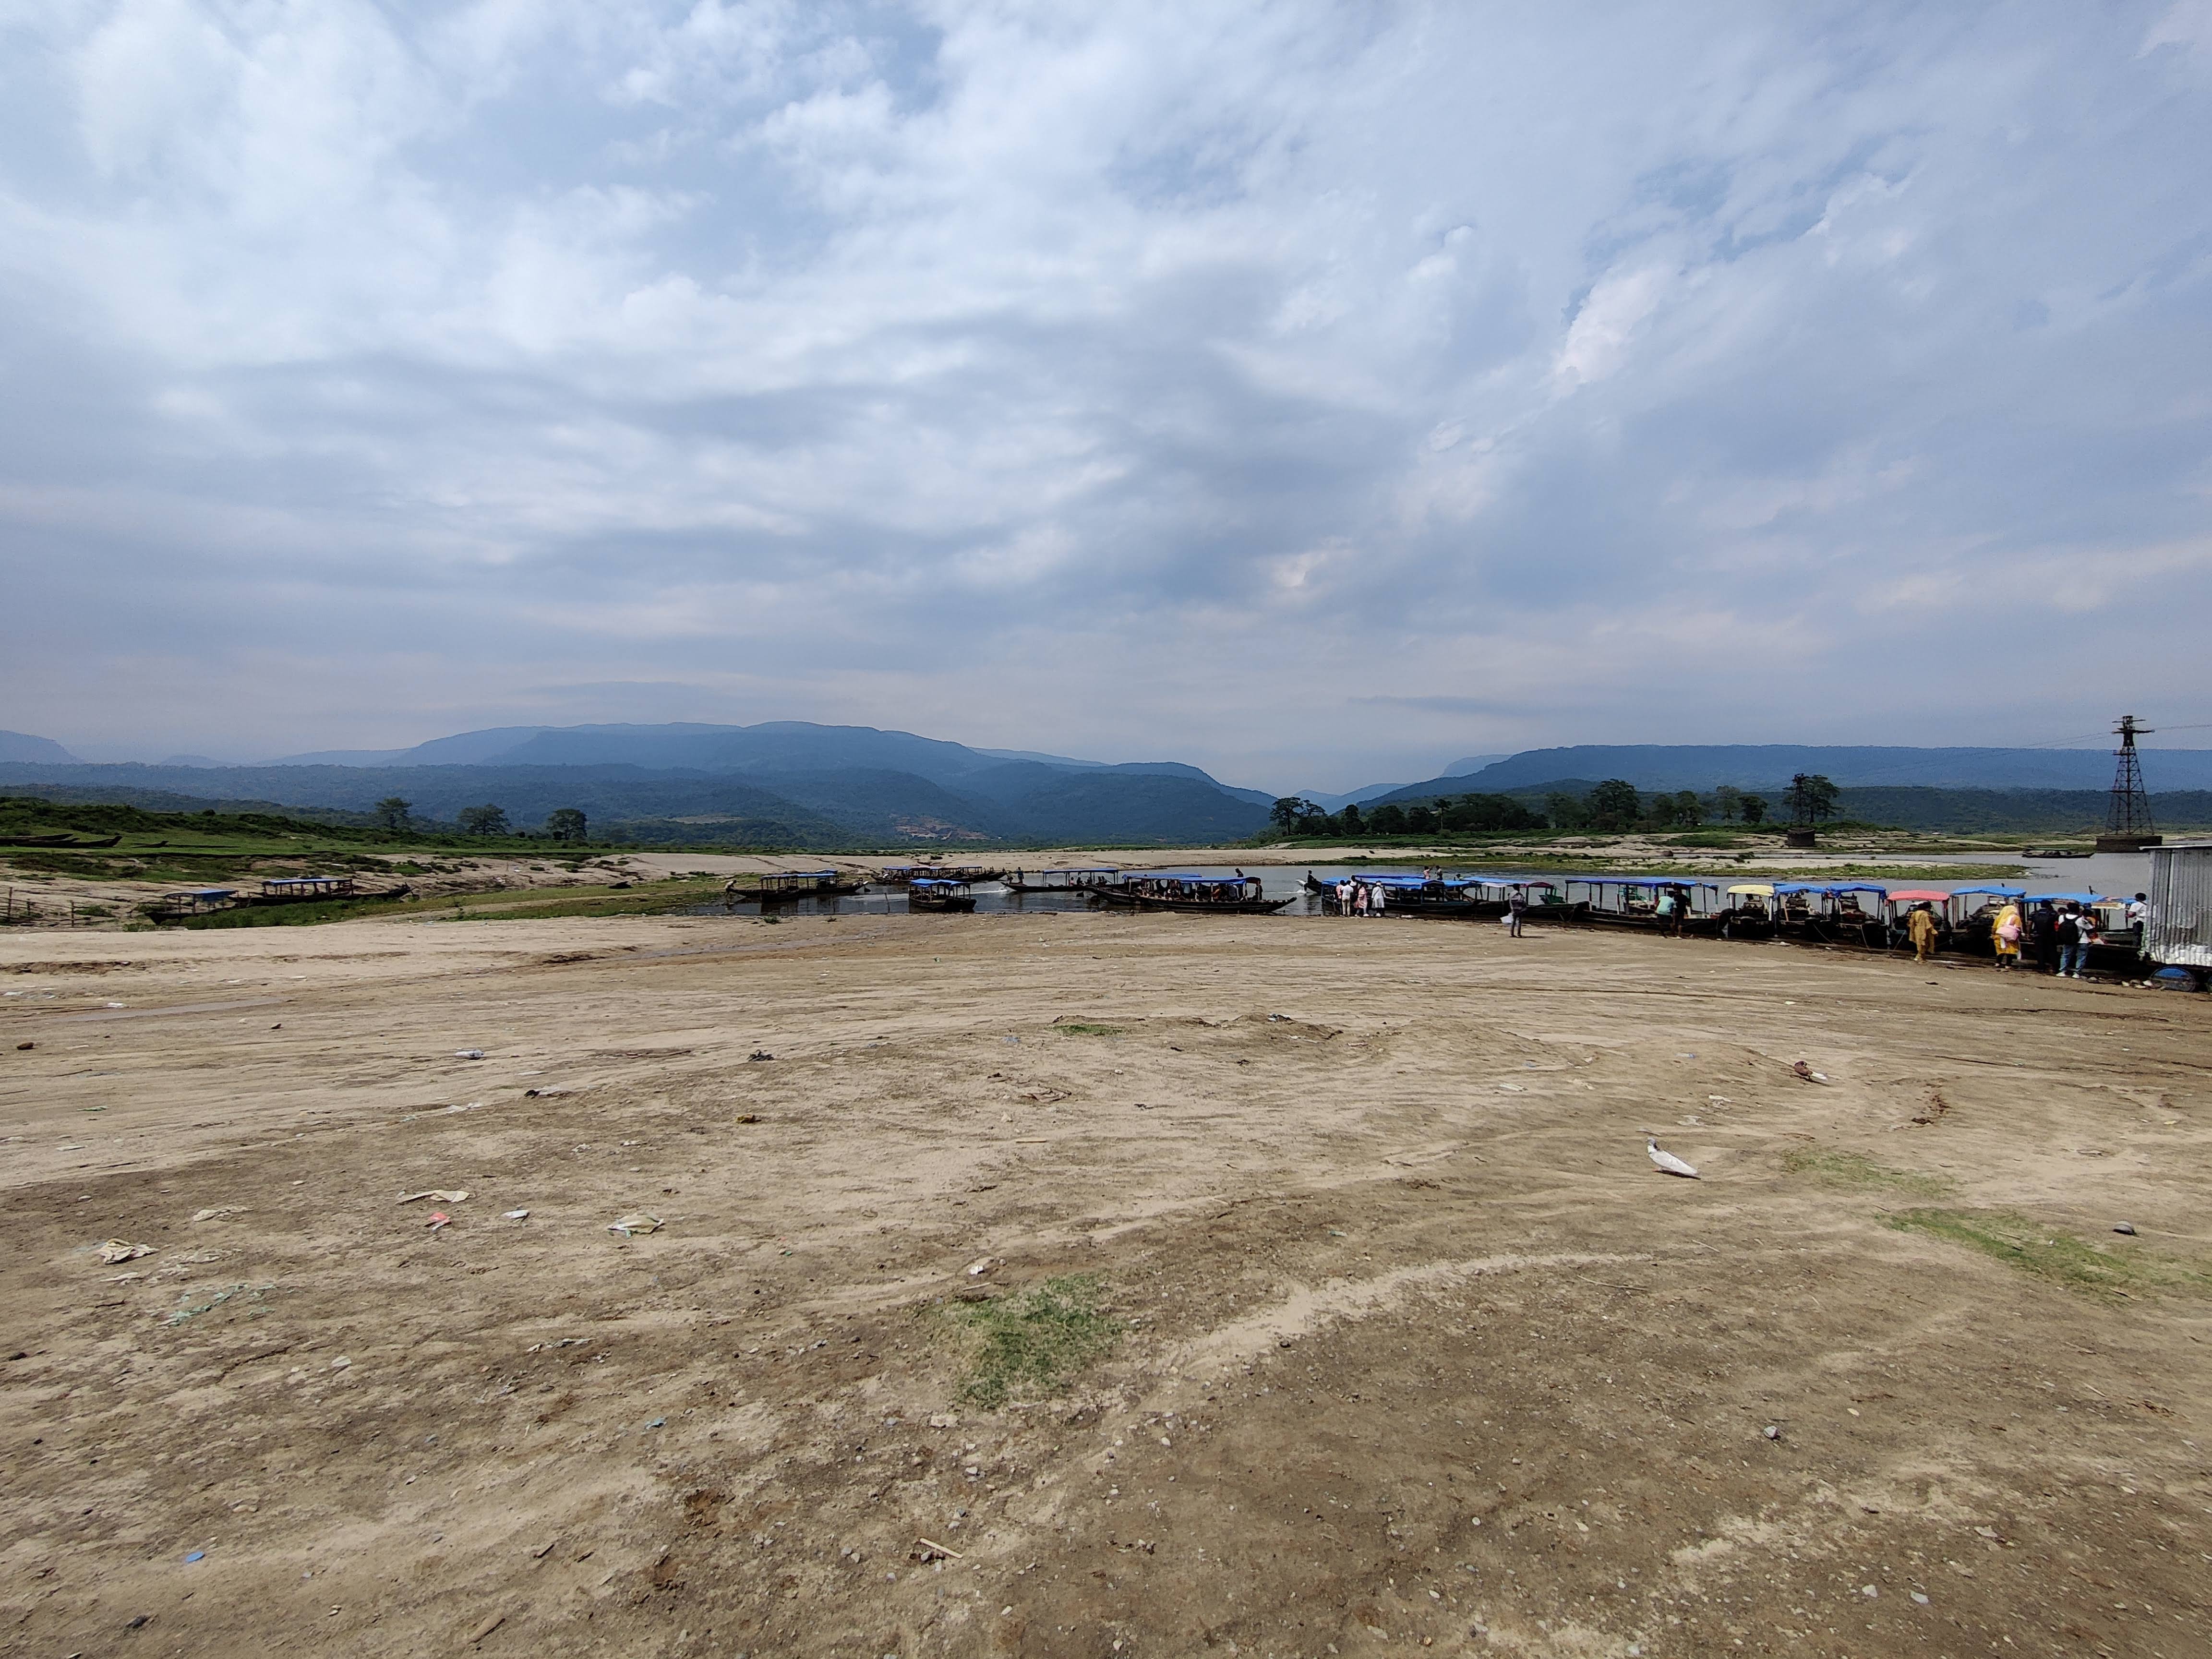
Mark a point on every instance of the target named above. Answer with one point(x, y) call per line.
point(1761, 766)
point(21, 747)
point(992, 802)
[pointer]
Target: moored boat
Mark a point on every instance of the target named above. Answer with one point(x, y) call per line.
point(937, 893)
point(783, 886)
point(1749, 912)
point(1188, 891)
point(903, 875)
point(1633, 901)
point(1085, 879)
point(1970, 913)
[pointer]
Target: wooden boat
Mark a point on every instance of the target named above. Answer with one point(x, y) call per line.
point(1083, 880)
point(902, 875)
point(935, 893)
point(1821, 914)
point(783, 886)
point(1970, 917)
point(1199, 894)
point(1633, 901)
point(1750, 913)
point(1902, 902)
point(66, 840)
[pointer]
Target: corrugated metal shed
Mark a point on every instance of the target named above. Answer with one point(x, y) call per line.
point(2180, 930)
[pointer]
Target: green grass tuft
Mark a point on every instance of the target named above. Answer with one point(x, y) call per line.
point(1857, 1170)
point(1031, 1344)
point(2059, 1258)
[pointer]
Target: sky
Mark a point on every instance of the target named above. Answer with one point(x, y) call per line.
point(1316, 393)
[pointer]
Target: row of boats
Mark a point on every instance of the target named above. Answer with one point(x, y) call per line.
point(1854, 915)
point(936, 887)
point(1851, 915)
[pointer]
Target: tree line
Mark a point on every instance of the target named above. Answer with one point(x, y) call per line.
point(1614, 807)
point(563, 823)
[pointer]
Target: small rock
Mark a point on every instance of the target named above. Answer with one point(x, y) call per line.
point(1869, 1591)
point(2126, 1227)
point(468, 1053)
point(1921, 1599)
point(1773, 1431)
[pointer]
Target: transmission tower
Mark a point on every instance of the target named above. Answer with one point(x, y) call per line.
point(2128, 828)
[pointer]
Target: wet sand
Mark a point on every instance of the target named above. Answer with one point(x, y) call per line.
point(1418, 1348)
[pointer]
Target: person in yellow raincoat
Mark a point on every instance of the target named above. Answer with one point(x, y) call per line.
point(2005, 934)
point(1921, 926)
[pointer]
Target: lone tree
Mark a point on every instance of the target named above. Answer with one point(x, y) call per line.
point(1812, 798)
point(1728, 799)
point(1614, 804)
point(483, 820)
point(1290, 813)
point(391, 812)
point(1753, 808)
point(565, 823)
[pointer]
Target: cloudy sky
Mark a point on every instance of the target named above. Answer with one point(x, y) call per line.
point(1316, 392)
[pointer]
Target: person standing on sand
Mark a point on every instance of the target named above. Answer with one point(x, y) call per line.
point(2069, 940)
point(1515, 908)
point(1920, 928)
point(2043, 935)
point(1669, 914)
point(2004, 934)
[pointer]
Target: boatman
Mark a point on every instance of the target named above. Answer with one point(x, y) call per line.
point(1921, 926)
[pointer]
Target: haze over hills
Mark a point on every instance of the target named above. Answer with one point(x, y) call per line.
point(21, 747)
point(780, 783)
point(1769, 766)
point(792, 783)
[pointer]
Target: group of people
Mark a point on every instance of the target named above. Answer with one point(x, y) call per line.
point(2060, 934)
point(1361, 898)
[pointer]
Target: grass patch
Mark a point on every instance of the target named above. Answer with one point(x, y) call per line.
point(1857, 1170)
point(1074, 1029)
point(1031, 1344)
point(2059, 1258)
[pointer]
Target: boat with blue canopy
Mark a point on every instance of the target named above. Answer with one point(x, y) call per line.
point(1074, 880)
point(937, 893)
point(1191, 890)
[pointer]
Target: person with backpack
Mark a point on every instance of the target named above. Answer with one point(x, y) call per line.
point(2043, 934)
point(2004, 934)
point(2070, 953)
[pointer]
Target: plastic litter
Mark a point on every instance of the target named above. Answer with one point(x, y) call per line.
point(468, 1053)
point(439, 1219)
point(515, 1215)
point(630, 1225)
point(2126, 1227)
point(217, 1212)
point(456, 1196)
point(121, 1250)
point(1805, 1071)
point(191, 1556)
point(760, 1053)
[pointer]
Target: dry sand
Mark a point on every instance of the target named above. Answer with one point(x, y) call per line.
point(1418, 1350)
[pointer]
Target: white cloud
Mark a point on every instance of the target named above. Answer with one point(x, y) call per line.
point(1104, 371)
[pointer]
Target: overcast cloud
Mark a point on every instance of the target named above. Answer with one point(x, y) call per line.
point(1316, 392)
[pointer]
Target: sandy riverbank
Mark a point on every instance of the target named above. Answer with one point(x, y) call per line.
point(1416, 1347)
